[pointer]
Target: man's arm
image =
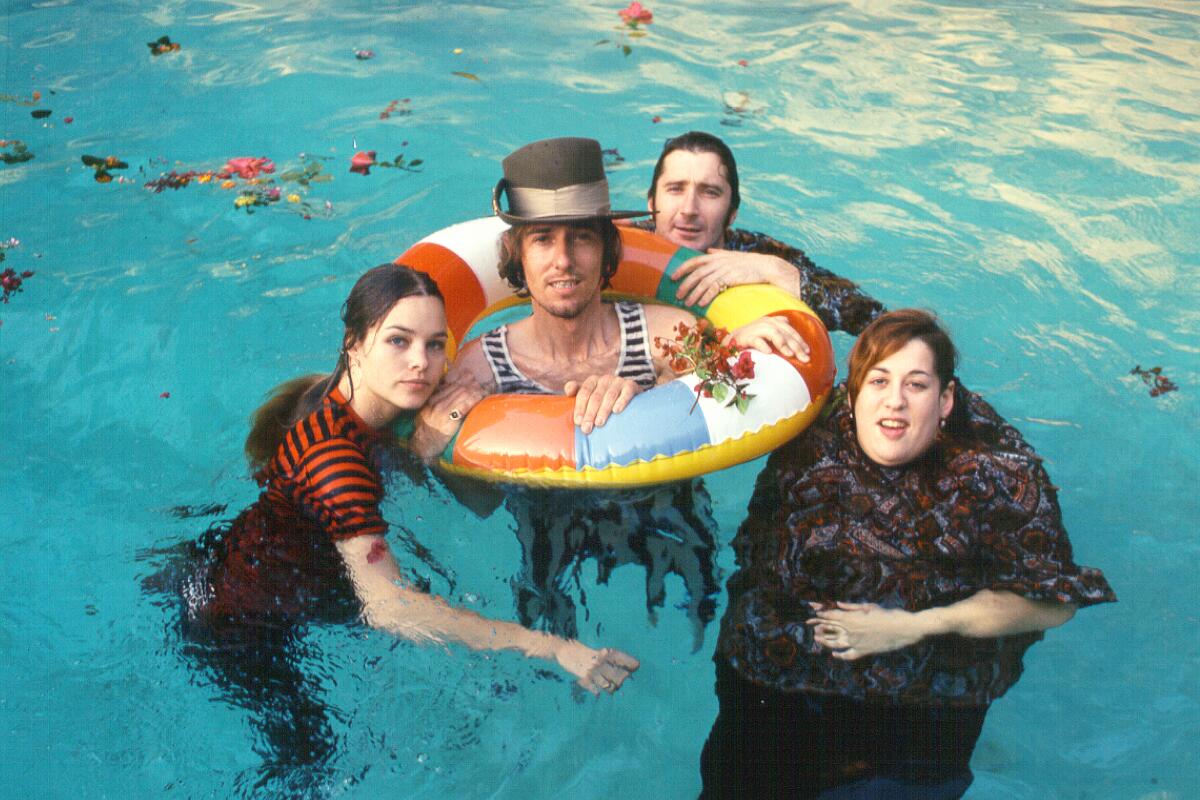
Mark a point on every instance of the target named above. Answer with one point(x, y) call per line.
point(756, 258)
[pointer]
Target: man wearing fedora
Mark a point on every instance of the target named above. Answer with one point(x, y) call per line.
point(561, 251)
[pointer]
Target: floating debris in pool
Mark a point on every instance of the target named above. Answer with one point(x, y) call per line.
point(400, 163)
point(68, 120)
point(457, 51)
point(103, 165)
point(163, 45)
point(247, 167)
point(612, 156)
point(257, 196)
point(40, 113)
point(21, 101)
point(20, 152)
point(635, 14)
point(394, 108)
point(362, 161)
point(165, 396)
point(363, 55)
point(656, 119)
point(632, 17)
point(743, 62)
point(309, 172)
point(1159, 384)
point(178, 180)
point(471, 76)
point(10, 282)
point(737, 108)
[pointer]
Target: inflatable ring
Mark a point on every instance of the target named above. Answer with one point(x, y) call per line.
point(664, 434)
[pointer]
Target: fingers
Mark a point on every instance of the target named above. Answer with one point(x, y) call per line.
point(611, 670)
point(774, 334)
point(701, 280)
point(599, 397)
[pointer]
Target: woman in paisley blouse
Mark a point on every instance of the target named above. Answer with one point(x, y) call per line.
point(896, 563)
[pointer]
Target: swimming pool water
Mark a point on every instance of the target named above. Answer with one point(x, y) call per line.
point(1029, 170)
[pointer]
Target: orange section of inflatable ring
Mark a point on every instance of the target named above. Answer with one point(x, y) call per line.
point(644, 256)
point(518, 433)
point(462, 290)
point(820, 370)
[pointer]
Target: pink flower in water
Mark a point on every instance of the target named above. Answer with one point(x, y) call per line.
point(636, 14)
point(362, 162)
point(247, 167)
point(363, 55)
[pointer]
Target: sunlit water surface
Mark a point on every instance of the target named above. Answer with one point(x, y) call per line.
point(1029, 170)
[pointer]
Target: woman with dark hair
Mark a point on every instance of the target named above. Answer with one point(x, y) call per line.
point(894, 566)
point(312, 547)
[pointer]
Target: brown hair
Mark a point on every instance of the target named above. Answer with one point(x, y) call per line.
point(373, 296)
point(889, 333)
point(511, 241)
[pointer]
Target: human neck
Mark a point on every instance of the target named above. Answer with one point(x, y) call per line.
point(375, 412)
point(578, 338)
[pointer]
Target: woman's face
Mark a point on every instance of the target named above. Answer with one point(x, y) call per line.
point(400, 361)
point(900, 406)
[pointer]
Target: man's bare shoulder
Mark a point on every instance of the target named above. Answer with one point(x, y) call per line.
point(472, 361)
point(662, 319)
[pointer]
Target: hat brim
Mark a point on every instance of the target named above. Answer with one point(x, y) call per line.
point(513, 219)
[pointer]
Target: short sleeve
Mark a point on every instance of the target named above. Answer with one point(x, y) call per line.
point(337, 484)
point(1025, 548)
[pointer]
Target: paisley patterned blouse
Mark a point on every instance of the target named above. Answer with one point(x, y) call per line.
point(826, 523)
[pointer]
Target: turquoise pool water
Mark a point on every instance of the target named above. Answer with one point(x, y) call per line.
point(1030, 170)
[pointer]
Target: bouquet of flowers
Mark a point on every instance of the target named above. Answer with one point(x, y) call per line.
point(723, 369)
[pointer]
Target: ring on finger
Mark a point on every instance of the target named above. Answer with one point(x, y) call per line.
point(722, 286)
point(455, 414)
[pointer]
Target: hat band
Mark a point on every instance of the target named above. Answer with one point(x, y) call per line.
point(577, 200)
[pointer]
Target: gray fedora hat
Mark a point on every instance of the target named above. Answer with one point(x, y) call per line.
point(556, 180)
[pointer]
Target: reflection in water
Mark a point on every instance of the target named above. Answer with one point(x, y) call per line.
point(665, 530)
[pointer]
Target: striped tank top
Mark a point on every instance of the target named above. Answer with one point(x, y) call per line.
point(634, 363)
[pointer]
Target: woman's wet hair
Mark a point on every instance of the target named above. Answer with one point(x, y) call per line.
point(513, 271)
point(701, 142)
point(889, 333)
point(373, 296)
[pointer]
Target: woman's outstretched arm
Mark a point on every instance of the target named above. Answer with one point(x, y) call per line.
point(854, 630)
point(391, 605)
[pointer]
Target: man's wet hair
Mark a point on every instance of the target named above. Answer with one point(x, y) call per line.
point(701, 142)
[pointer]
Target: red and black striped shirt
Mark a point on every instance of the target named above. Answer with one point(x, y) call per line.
point(323, 486)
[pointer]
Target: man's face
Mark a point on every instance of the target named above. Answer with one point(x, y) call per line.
point(562, 265)
point(692, 198)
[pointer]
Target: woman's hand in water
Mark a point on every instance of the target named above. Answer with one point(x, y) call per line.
point(442, 415)
point(597, 670)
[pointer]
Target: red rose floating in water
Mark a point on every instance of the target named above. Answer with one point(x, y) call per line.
point(636, 14)
point(362, 161)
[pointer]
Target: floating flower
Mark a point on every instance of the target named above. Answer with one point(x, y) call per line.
point(362, 162)
point(165, 395)
point(656, 119)
point(293, 198)
point(635, 14)
point(10, 282)
point(363, 55)
point(68, 120)
point(247, 167)
point(721, 369)
point(1159, 383)
point(743, 62)
point(228, 184)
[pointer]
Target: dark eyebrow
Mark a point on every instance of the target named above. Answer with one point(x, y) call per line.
point(402, 329)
